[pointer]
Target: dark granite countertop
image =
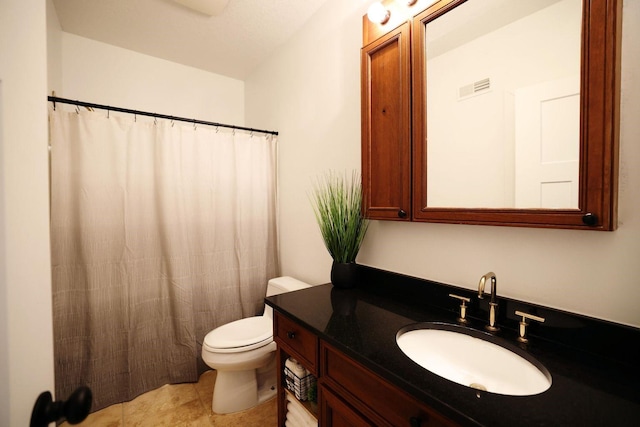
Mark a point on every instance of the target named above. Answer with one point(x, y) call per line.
point(593, 363)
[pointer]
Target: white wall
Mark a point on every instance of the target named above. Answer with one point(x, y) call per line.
point(309, 91)
point(26, 340)
point(104, 74)
point(54, 49)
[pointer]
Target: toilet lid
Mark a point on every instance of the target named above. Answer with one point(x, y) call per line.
point(243, 334)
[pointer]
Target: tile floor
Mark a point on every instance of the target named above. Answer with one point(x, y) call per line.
point(180, 405)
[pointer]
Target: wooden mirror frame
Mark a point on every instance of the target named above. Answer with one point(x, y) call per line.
point(599, 129)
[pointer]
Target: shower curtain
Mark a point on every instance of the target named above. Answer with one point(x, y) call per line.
point(160, 232)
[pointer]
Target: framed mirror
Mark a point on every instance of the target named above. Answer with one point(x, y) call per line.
point(515, 112)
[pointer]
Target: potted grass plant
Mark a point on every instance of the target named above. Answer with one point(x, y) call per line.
point(337, 203)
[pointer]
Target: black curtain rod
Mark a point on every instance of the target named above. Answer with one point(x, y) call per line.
point(55, 99)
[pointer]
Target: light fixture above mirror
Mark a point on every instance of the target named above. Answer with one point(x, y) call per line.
point(378, 14)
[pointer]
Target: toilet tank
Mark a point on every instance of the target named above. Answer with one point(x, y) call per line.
point(280, 285)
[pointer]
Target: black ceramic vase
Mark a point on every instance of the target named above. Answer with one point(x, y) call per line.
point(344, 275)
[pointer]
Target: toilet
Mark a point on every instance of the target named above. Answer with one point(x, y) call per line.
point(243, 354)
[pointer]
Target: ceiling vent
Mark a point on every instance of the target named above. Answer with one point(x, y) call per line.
point(476, 88)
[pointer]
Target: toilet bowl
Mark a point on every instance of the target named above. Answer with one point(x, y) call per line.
point(243, 354)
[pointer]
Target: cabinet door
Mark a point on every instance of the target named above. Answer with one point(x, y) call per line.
point(334, 412)
point(386, 126)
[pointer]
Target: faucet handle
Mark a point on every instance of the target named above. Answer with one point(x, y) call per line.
point(523, 324)
point(463, 307)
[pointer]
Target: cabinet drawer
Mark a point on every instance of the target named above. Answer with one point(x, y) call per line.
point(367, 391)
point(300, 343)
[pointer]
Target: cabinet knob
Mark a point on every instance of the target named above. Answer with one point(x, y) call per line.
point(402, 213)
point(590, 219)
point(291, 335)
point(415, 422)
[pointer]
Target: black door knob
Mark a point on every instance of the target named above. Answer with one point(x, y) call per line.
point(402, 213)
point(74, 410)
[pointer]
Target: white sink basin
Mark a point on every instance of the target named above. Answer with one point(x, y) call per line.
point(452, 353)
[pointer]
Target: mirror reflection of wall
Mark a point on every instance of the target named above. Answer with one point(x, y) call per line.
point(503, 107)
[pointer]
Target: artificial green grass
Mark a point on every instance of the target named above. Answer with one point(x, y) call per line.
point(337, 203)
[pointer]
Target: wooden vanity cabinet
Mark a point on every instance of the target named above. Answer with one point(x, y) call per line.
point(348, 393)
point(386, 126)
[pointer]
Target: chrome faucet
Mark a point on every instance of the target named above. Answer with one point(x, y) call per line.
point(493, 305)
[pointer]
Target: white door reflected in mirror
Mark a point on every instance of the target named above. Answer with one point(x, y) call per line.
point(547, 153)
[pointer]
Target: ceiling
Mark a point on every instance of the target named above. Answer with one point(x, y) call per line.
point(232, 43)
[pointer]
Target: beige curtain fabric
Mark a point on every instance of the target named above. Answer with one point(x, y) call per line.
point(160, 232)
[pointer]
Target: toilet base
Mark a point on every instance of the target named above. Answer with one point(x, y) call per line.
point(241, 390)
point(267, 382)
